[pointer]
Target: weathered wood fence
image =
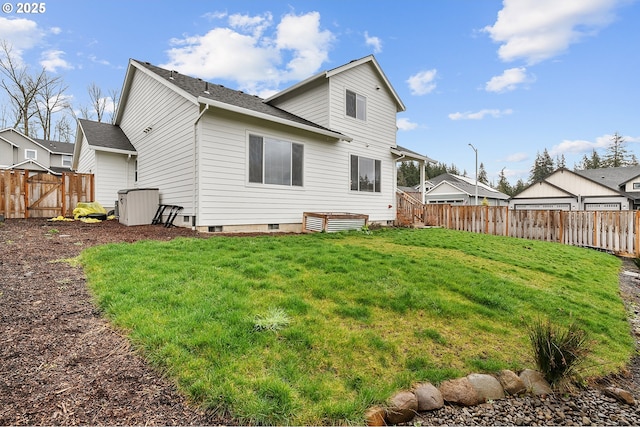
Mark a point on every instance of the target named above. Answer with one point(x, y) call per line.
point(25, 194)
point(612, 231)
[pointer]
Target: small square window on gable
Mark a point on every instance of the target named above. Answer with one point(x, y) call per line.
point(356, 106)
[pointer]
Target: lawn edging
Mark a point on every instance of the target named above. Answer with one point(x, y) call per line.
point(472, 390)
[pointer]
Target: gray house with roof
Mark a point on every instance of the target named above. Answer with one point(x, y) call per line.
point(18, 151)
point(461, 190)
point(589, 189)
point(237, 162)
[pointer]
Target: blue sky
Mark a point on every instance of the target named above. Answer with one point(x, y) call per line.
point(511, 77)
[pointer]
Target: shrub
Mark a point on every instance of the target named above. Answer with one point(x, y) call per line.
point(557, 350)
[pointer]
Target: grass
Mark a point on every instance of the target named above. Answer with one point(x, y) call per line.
point(348, 319)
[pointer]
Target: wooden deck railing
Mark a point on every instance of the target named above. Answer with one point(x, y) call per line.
point(613, 231)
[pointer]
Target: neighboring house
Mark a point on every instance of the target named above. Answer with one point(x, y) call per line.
point(590, 189)
point(461, 190)
point(18, 151)
point(236, 162)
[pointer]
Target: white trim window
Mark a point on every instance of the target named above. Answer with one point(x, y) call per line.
point(276, 162)
point(356, 105)
point(66, 161)
point(30, 154)
point(365, 174)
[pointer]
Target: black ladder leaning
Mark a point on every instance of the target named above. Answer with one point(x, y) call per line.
point(173, 213)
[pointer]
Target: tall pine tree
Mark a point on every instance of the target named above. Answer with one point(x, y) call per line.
point(542, 167)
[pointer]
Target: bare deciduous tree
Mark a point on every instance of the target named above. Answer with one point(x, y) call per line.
point(98, 101)
point(21, 86)
point(50, 99)
point(62, 130)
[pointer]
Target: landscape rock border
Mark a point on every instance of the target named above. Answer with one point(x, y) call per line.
point(472, 390)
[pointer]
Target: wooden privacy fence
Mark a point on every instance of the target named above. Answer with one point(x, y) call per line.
point(613, 231)
point(25, 194)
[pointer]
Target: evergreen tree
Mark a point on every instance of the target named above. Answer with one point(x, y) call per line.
point(482, 175)
point(503, 184)
point(520, 185)
point(542, 167)
point(593, 162)
point(616, 155)
point(561, 162)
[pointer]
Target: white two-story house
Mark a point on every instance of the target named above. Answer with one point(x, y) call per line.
point(237, 162)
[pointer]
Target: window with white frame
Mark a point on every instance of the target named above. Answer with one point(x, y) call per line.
point(66, 161)
point(636, 185)
point(356, 105)
point(273, 161)
point(30, 154)
point(365, 174)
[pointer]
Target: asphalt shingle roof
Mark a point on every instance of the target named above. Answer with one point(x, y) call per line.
point(468, 187)
point(56, 146)
point(199, 88)
point(611, 177)
point(105, 135)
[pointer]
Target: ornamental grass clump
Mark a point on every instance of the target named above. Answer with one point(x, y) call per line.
point(558, 350)
point(274, 320)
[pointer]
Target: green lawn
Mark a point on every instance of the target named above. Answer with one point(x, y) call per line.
point(356, 317)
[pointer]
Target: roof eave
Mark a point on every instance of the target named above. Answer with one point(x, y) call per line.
point(268, 117)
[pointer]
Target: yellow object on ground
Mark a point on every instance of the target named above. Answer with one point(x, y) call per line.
point(90, 220)
point(60, 218)
point(84, 209)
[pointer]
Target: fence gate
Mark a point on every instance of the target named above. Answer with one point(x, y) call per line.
point(44, 196)
point(25, 194)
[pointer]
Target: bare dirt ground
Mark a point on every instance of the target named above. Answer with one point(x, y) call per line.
point(62, 364)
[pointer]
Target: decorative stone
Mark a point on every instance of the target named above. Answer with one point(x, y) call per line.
point(429, 397)
point(511, 382)
point(487, 387)
point(402, 407)
point(535, 382)
point(620, 395)
point(459, 391)
point(375, 416)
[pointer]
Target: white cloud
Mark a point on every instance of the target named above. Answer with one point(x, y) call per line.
point(309, 45)
point(246, 52)
point(536, 30)
point(406, 124)
point(580, 146)
point(509, 80)
point(55, 30)
point(374, 42)
point(516, 157)
point(21, 34)
point(422, 83)
point(52, 60)
point(479, 115)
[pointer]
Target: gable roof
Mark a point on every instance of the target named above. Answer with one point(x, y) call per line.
point(106, 137)
point(55, 147)
point(466, 185)
point(357, 62)
point(51, 170)
point(199, 91)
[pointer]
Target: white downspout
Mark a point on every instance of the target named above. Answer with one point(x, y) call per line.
point(194, 200)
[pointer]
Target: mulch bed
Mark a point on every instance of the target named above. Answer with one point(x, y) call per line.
point(62, 364)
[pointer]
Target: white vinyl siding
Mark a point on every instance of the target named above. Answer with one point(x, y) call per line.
point(227, 198)
point(312, 103)
point(113, 172)
point(165, 152)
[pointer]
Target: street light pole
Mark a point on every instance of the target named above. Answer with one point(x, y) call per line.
point(476, 150)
